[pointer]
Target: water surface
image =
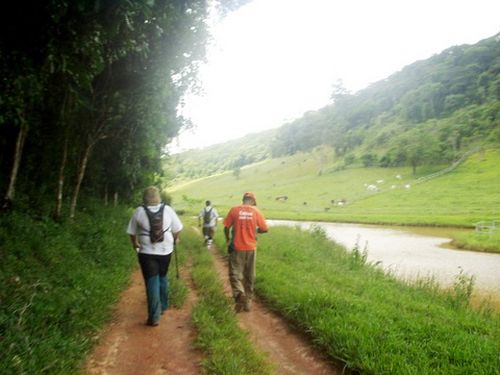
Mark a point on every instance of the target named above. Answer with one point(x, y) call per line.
point(411, 253)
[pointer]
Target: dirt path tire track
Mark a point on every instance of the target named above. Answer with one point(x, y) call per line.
point(290, 351)
point(129, 346)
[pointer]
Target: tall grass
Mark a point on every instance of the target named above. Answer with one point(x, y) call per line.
point(369, 320)
point(228, 348)
point(58, 284)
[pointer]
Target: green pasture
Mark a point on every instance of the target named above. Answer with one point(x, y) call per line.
point(467, 194)
point(371, 321)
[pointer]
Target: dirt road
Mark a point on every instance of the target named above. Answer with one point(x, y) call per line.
point(128, 346)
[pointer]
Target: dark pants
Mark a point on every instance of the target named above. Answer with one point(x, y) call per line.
point(208, 232)
point(154, 270)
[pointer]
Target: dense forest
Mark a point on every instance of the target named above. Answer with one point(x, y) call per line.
point(430, 112)
point(89, 95)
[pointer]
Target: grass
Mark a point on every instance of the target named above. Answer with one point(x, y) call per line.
point(371, 321)
point(478, 241)
point(59, 282)
point(460, 198)
point(228, 348)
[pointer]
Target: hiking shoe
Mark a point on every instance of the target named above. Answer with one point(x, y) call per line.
point(240, 303)
point(153, 323)
point(247, 305)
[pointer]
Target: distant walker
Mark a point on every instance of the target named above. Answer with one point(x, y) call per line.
point(209, 217)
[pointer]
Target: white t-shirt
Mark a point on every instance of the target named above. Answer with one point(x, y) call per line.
point(213, 216)
point(139, 226)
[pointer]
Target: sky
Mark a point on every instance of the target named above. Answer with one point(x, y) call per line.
point(273, 60)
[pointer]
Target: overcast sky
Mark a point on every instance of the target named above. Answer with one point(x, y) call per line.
point(273, 60)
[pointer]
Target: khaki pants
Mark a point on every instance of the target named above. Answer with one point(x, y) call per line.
point(242, 273)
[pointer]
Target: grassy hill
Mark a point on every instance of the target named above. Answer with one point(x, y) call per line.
point(461, 197)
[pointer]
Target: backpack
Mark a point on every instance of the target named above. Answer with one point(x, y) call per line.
point(156, 232)
point(207, 217)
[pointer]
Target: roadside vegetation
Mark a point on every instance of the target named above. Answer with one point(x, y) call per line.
point(371, 321)
point(59, 283)
point(228, 349)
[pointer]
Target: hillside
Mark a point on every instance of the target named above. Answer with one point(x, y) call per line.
point(429, 113)
point(461, 197)
point(230, 155)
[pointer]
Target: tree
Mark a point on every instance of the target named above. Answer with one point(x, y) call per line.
point(84, 74)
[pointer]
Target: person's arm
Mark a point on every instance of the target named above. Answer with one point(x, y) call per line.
point(226, 234)
point(135, 242)
point(176, 236)
point(215, 216)
point(261, 224)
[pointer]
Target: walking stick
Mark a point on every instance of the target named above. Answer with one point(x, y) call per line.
point(176, 261)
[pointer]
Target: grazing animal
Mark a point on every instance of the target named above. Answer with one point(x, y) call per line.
point(282, 198)
point(372, 188)
point(341, 202)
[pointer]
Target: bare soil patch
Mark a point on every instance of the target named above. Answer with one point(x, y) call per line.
point(129, 346)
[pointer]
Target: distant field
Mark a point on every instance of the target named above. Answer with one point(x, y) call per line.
point(468, 194)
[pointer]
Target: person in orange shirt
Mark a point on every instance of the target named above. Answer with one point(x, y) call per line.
point(243, 222)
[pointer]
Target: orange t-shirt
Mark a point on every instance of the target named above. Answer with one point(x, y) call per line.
point(245, 219)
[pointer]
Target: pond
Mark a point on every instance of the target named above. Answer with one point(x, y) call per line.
point(413, 252)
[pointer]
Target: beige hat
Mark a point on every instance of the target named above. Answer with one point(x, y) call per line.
point(151, 196)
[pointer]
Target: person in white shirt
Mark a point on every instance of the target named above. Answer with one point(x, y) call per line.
point(154, 249)
point(209, 217)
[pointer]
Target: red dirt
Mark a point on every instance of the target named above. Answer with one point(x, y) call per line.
point(128, 346)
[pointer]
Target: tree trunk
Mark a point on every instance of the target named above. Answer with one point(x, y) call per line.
point(60, 182)
point(116, 199)
point(106, 194)
point(81, 174)
point(18, 152)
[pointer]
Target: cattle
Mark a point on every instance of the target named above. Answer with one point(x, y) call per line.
point(407, 186)
point(372, 188)
point(341, 202)
point(327, 209)
point(380, 181)
point(398, 176)
point(282, 198)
